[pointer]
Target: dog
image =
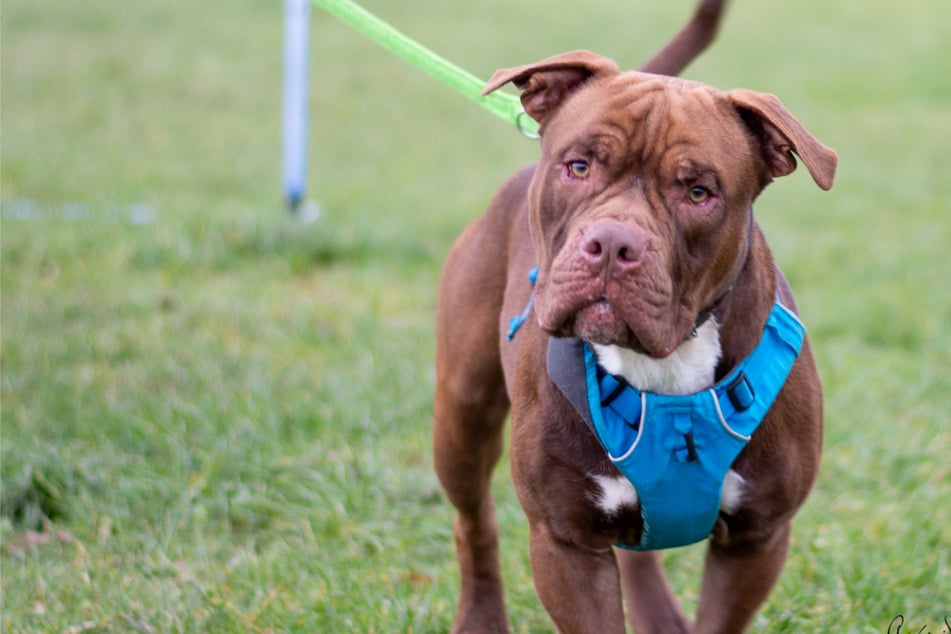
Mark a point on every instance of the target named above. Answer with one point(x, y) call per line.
point(660, 384)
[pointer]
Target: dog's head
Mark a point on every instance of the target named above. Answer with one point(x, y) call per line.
point(641, 203)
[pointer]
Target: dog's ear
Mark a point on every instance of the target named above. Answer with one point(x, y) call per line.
point(780, 135)
point(545, 84)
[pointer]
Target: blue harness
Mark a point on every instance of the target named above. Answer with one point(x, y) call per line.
point(676, 450)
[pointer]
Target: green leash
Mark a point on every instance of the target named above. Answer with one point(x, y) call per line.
point(505, 106)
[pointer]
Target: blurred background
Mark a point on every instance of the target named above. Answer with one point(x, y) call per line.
point(216, 416)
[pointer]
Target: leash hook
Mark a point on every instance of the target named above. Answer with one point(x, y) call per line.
point(521, 128)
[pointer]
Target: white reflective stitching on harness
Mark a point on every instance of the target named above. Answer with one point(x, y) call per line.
point(640, 430)
point(726, 426)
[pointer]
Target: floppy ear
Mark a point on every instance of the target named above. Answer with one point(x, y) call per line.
point(545, 84)
point(780, 135)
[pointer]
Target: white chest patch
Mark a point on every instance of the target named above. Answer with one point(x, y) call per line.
point(690, 368)
point(732, 494)
point(617, 492)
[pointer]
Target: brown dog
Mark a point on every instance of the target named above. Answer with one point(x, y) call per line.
point(652, 274)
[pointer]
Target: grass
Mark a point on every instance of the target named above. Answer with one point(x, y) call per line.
point(216, 418)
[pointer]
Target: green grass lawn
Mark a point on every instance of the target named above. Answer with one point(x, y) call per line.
point(216, 418)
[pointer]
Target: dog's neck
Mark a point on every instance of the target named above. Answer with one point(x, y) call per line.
point(690, 368)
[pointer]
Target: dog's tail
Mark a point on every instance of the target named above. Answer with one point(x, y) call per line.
point(689, 42)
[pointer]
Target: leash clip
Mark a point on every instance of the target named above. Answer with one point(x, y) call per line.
point(524, 130)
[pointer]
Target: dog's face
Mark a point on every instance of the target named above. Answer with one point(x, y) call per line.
point(641, 206)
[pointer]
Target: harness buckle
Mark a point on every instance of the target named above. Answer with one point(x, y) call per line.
point(741, 393)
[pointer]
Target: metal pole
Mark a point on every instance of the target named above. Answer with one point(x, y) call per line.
point(296, 45)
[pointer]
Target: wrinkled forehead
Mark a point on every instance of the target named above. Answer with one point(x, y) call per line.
point(641, 114)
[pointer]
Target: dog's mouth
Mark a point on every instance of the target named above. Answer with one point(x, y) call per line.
point(640, 311)
point(600, 322)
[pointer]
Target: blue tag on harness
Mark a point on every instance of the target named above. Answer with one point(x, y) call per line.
point(519, 320)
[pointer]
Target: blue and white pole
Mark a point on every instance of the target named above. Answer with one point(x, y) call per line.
point(296, 45)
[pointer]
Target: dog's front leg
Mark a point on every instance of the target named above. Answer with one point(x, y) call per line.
point(737, 578)
point(652, 606)
point(578, 586)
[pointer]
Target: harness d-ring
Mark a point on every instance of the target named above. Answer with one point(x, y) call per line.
point(525, 131)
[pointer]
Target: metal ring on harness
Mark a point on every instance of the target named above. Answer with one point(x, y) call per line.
point(522, 129)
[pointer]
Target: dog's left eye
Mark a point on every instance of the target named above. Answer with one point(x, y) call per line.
point(579, 169)
point(698, 194)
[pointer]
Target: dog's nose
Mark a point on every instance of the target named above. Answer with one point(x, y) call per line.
point(611, 245)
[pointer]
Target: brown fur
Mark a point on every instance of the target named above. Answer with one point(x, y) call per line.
point(647, 139)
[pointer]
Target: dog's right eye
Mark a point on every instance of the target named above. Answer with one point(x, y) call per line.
point(579, 169)
point(698, 195)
